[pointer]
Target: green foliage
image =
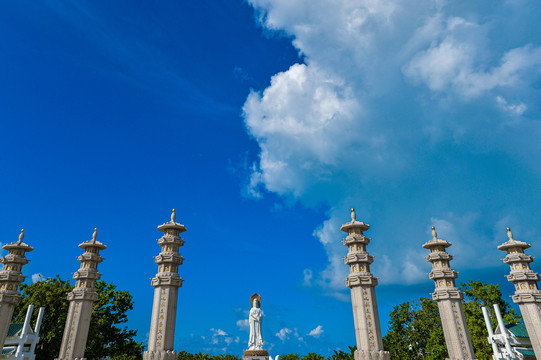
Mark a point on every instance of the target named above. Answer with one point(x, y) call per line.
point(290, 357)
point(225, 357)
point(414, 326)
point(476, 295)
point(51, 294)
point(312, 356)
point(342, 355)
point(415, 331)
point(105, 339)
point(184, 355)
point(436, 349)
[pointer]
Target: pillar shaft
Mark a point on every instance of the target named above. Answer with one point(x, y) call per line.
point(76, 330)
point(81, 299)
point(6, 314)
point(162, 327)
point(532, 320)
point(166, 283)
point(366, 318)
point(455, 329)
point(363, 295)
point(527, 294)
point(449, 299)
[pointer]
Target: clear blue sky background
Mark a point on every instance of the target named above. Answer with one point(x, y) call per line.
point(262, 122)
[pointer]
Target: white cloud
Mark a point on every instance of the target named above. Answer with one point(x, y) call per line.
point(452, 63)
point(308, 274)
point(243, 324)
point(219, 334)
point(316, 332)
point(384, 85)
point(333, 276)
point(282, 334)
point(37, 277)
point(513, 109)
point(471, 247)
point(298, 123)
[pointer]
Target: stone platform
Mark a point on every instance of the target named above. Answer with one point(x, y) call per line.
point(255, 355)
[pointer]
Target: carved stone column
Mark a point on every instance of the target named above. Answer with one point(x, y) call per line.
point(363, 295)
point(81, 301)
point(527, 294)
point(166, 284)
point(10, 278)
point(455, 330)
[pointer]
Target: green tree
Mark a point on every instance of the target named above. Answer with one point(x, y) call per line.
point(184, 355)
point(51, 294)
point(313, 356)
point(225, 357)
point(290, 357)
point(105, 339)
point(477, 294)
point(342, 355)
point(412, 327)
point(415, 331)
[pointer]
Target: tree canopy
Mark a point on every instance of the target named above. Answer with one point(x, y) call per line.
point(415, 330)
point(106, 339)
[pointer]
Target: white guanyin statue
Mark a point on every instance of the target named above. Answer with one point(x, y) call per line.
point(255, 320)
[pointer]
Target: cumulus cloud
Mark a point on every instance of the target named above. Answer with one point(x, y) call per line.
point(220, 336)
point(282, 334)
point(387, 94)
point(296, 122)
point(37, 277)
point(243, 324)
point(316, 332)
point(452, 63)
point(332, 277)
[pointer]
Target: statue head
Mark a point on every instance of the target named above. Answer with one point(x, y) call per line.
point(255, 300)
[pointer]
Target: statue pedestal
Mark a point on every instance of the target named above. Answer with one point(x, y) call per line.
point(255, 355)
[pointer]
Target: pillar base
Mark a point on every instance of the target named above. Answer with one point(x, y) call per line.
point(160, 355)
point(255, 355)
point(371, 355)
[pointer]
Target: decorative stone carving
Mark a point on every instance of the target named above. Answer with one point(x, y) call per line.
point(166, 284)
point(10, 278)
point(161, 355)
point(363, 295)
point(81, 301)
point(527, 294)
point(449, 298)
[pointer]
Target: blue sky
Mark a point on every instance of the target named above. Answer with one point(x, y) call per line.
point(262, 122)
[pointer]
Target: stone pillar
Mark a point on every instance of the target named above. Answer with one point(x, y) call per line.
point(527, 294)
point(81, 301)
point(363, 294)
point(166, 284)
point(10, 278)
point(455, 329)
